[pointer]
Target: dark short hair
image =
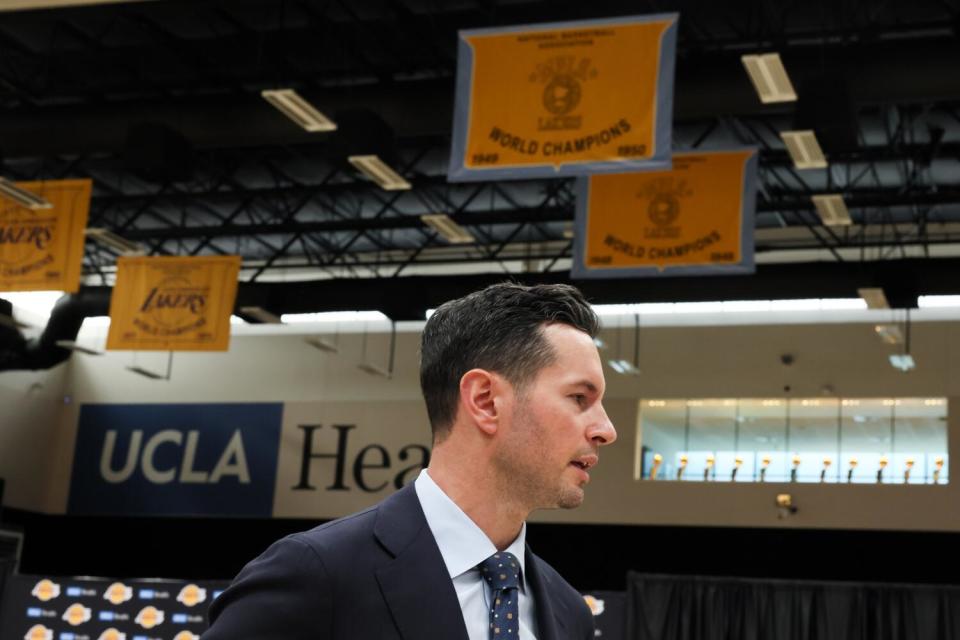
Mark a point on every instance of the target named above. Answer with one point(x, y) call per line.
point(498, 329)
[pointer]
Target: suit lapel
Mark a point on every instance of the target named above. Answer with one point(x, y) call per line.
point(416, 585)
point(550, 613)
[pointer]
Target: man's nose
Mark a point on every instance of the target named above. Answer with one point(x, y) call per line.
point(602, 430)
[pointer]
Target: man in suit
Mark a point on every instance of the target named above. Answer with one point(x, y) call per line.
point(513, 385)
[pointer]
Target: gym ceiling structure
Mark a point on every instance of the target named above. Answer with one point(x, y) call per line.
point(159, 102)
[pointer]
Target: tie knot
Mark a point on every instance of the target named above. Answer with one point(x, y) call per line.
point(501, 571)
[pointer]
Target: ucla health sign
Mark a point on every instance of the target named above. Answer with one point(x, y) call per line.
point(176, 459)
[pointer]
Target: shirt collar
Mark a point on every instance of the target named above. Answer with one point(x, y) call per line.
point(462, 543)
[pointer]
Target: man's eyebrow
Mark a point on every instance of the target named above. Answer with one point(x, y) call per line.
point(585, 383)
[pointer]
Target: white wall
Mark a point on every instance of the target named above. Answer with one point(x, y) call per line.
point(30, 408)
point(731, 361)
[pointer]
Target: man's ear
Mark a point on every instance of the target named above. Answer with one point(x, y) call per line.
point(478, 391)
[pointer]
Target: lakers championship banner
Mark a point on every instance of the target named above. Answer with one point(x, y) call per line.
point(696, 218)
point(42, 249)
point(171, 303)
point(564, 98)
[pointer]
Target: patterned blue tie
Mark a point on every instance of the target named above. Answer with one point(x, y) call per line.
point(502, 573)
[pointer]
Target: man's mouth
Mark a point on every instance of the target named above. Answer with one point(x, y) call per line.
point(584, 462)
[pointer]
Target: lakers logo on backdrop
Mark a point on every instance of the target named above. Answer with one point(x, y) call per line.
point(76, 614)
point(39, 632)
point(186, 635)
point(663, 198)
point(595, 604)
point(118, 593)
point(112, 634)
point(191, 595)
point(149, 617)
point(45, 590)
point(563, 79)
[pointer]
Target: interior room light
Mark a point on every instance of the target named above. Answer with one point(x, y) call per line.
point(24, 198)
point(889, 333)
point(937, 302)
point(333, 316)
point(874, 297)
point(624, 367)
point(769, 77)
point(292, 105)
point(902, 361)
point(378, 171)
point(39, 303)
point(804, 149)
point(113, 241)
point(832, 209)
point(447, 228)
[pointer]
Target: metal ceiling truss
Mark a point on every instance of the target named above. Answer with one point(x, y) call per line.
point(283, 200)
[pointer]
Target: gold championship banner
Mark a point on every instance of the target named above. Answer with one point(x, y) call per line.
point(42, 249)
point(564, 98)
point(173, 303)
point(696, 218)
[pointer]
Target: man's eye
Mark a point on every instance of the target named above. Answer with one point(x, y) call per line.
point(580, 399)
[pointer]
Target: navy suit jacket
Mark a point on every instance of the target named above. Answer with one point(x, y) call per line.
point(377, 574)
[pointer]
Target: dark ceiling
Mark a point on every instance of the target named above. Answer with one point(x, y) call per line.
point(159, 102)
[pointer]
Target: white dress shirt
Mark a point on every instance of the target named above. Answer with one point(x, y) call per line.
point(463, 546)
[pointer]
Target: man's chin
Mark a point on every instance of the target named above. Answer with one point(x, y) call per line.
point(571, 498)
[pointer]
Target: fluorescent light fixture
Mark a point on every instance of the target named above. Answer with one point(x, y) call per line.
point(769, 77)
point(24, 198)
point(113, 241)
point(261, 315)
point(292, 105)
point(599, 343)
point(100, 322)
point(374, 370)
point(832, 209)
point(334, 316)
point(378, 171)
point(937, 302)
point(902, 361)
point(889, 333)
point(35, 303)
point(874, 297)
point(804, 149)
point(319, 343)
point(447, 228)
point(73, 346)
point(624, 367)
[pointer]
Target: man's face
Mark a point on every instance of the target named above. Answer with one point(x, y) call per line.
point(557, 424)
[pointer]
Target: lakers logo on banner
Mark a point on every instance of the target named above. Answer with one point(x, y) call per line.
point(173, 303)
point(564, 98)
point(42, 249)
point(694, 218)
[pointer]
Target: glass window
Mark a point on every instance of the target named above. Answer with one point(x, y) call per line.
point(830, 440)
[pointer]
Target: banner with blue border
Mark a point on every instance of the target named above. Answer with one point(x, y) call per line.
point(563, 99)
point(696, 218)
